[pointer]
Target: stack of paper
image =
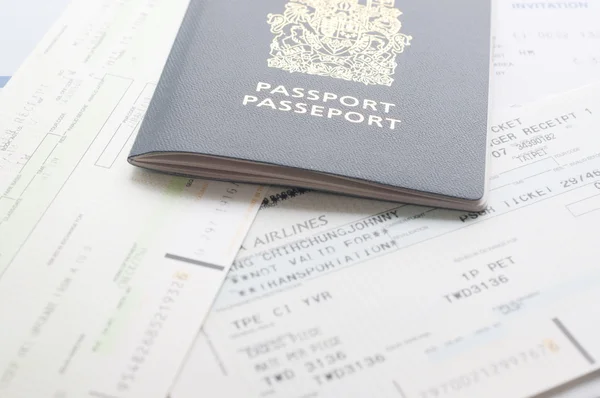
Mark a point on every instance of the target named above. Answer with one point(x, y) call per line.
point(107, 273)
point(22, 25)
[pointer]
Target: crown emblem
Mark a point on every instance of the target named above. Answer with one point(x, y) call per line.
point(354, 40)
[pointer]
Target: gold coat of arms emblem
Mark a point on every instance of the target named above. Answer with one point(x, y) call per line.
point(354, 40)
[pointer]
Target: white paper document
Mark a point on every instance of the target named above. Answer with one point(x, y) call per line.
point(106, 271)
point(585, 387)
point(543, 47)
point(23, 24)
point(340, 297)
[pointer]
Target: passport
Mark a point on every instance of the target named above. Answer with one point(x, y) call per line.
point(383, 99)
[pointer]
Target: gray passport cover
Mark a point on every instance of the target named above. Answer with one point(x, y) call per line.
point(234, 62)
